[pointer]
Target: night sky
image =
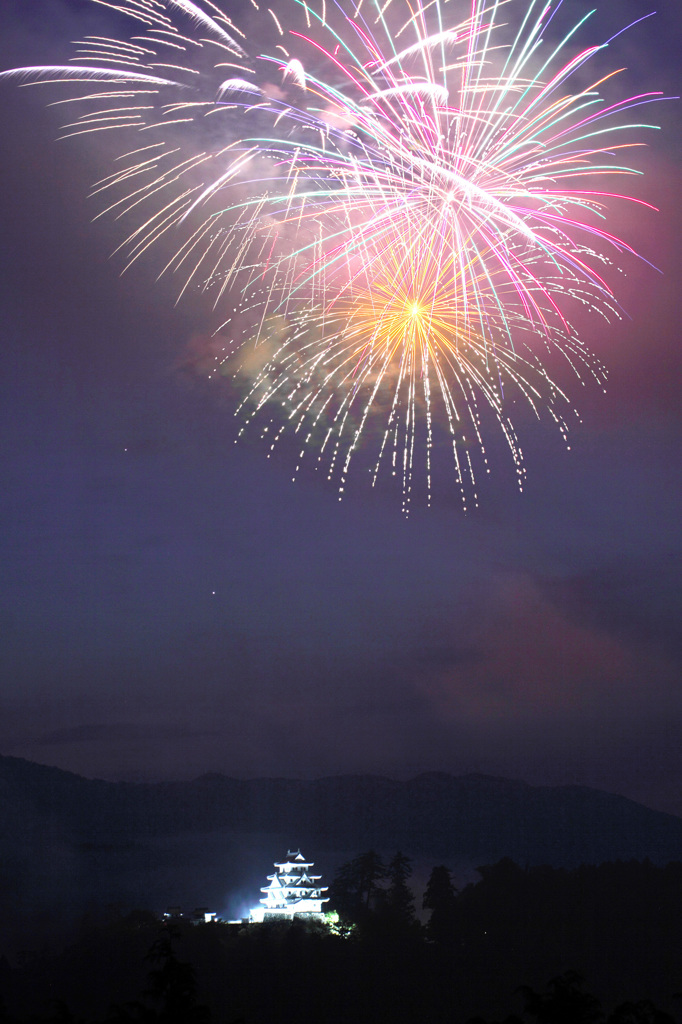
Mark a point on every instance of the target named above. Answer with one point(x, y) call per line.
point(172, 604)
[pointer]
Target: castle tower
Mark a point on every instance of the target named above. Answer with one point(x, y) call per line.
point(293, 891)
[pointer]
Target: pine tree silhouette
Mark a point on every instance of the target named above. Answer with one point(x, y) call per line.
point(440, 898)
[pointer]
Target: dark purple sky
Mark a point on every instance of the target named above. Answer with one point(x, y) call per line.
point(171, 603)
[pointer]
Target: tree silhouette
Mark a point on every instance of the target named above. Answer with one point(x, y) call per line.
point(4, 1015)
point(563, 1003)
point(399, 901)
point(173, 985)
point(643, 1012)
point(511, 1019)
point(440, 899)
point(356, 888)
point(62, 1014)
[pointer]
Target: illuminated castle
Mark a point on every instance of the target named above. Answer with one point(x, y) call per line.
point(293, 891)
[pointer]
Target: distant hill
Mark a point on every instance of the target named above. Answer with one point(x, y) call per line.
point(66, 841)
point(477, 817)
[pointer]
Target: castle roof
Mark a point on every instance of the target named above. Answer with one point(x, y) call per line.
point(293, 887)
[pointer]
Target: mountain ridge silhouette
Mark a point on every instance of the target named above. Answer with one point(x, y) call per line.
point(434, 813)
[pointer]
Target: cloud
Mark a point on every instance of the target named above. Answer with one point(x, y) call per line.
point(638, 601)
point(541, 661)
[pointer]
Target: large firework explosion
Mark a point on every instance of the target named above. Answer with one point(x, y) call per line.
point(392, 208)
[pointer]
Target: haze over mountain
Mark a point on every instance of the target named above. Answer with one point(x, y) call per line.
point(70, 842)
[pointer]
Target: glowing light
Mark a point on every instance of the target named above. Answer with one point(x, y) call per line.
point(293, 892)
point(394, 212)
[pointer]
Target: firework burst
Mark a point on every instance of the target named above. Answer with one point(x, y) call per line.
point(403, 207)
